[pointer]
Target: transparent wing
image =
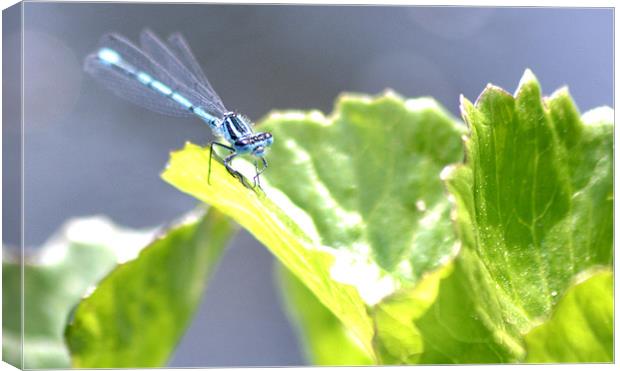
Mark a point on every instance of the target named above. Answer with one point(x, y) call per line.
point(181, 64)
point(181, 48)
point(127, 87)
point(141, 61)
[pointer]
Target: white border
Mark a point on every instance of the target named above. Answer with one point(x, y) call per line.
point(509, 3)
point(483, 3)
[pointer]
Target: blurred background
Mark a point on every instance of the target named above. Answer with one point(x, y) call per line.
point(88, 152)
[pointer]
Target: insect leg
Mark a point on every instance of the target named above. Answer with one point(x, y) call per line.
point(232, 171)
point(256, 177)
point(259, 172)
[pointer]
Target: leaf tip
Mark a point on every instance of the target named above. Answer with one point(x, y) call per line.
point(465, 105)
point(561, 103)
point(528, 77)
point(528, 82)
point(423, 103)
point(390, 93)
point(560, 92)
point(490, 91)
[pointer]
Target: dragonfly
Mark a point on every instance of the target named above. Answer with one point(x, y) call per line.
point(166, 78)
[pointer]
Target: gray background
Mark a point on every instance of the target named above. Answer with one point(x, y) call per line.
point(88, 152)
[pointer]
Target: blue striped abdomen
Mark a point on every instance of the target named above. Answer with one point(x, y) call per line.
point(112, 59)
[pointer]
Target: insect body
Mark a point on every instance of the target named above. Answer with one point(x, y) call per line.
point(167, 79)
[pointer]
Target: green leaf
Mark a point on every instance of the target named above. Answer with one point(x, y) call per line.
point(326, 341)
point(581, 326)
point(453, 315)
point(534, 203)
point(542, 189)
point(534, 206)
point(138, 313)
point(354, 206)
point(355, 209)
point(55, 278)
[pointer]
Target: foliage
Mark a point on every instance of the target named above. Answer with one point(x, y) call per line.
point(340, 210)
point(138, 312)
point(357, 207)
point(584, 315)
point(127, 285)
point(55, 277)
point(404, 236)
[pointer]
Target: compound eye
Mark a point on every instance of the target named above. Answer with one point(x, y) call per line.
point(268, 139)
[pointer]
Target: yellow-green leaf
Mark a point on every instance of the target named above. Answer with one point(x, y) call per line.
point(581, 326)
point(326, 341)
point(353, 203)
point(137, 314)
point(55, 276)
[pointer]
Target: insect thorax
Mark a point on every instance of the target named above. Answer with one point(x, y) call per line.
point(235, 127)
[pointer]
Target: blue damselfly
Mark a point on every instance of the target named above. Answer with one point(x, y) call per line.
point(166, 78)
